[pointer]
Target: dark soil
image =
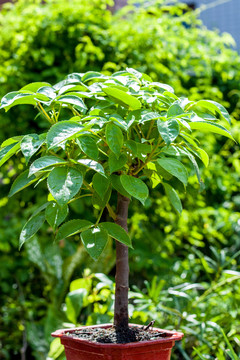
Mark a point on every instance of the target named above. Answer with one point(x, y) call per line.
point(110, 335)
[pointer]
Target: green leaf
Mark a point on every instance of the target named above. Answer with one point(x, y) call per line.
point(100, 202)
point(7, 151)
point(100, 184)
point(195, 165)
point(114, 138)
point(88, 145)
point(34, 86)
point(214, 107)
point(20, 98)
point(174, 110)
point(174, 167)
point(64, 183)
point(203, 156)
point(74, 304)
point(122, 98)
point(198, 353)
point(44, 162)
point(72, 227)
point(231, 352)
point(148, 116)
point(173, 197)
point(210, 127)
point(117, 232)
point(116, 163)
point(55, 214)
point(30, 145)
point(162, 172)
point(116, 183)
point(73, 100)
point(135, 187)
point(31, 227)
point(93, 75)
point(93, 165)
point(21, 182)
point(62, 131)
point(12, 140)
point(94, 241)
point(56, 349)
point(168, 130)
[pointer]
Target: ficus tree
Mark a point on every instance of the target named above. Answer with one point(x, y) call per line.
point(121, 133)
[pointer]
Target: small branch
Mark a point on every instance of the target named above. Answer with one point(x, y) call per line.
point(149, 158)
point(79, 197)
point(88, 186)
point(138, 134)
point(44, 112)
point(111, 212)
point(149, 325)
point(150, 128)
point(99, 217)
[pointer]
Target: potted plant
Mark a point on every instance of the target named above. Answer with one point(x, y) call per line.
point(110, 137)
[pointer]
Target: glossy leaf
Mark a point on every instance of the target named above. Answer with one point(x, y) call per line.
point(92, 75)
point(100, 184)
point(44, 162)
point(21, 182)
point(116, 183)
point(93, 165)
point(173, 197)
point(94, 241)
point(168, 130)
point(114, 138)
point(123, 98)
point(30, 145)
point(174, 110)
point(55, 214)
point(135, 187)
point(214, 107)
point(208, 126)
point(117, 232)
point(74, 304)
point(73, 100)
point(31, 227)
point(174, 167)
point(62, 131)
point(116, 163)
point(88, 145)
point(34, 86)
point(20, 98)
point(7, 151)
point(72, 227)
point(64, 183)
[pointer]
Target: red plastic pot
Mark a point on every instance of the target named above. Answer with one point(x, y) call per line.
point(78, 349)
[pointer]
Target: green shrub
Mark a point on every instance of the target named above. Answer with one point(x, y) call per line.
point(47, 41)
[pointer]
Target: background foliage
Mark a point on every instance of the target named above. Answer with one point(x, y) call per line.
point(191, 264)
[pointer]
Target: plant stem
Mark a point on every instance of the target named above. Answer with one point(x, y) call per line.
point(44, 112)
point(122, 269)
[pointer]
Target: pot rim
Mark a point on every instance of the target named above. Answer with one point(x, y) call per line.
point(61, 333)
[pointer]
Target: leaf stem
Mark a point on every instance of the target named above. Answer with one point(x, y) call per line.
point(111, 212)
point(44, 112)
point(88, 186)
point(150, 129)
point(148, 158)
point(99, 217)
point(79, 197)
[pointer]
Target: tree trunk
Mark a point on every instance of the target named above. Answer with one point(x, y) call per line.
point(122, 269)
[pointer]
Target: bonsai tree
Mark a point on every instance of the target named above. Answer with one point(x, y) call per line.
point(108, 134)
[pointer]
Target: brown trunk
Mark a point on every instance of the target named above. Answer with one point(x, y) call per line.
point(122, 269)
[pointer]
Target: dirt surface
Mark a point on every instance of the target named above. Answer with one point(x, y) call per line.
point(110, 335)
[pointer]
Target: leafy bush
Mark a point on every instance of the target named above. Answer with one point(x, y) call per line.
point(77, 36)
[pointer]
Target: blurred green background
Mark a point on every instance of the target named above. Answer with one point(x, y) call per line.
point(184, 271)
